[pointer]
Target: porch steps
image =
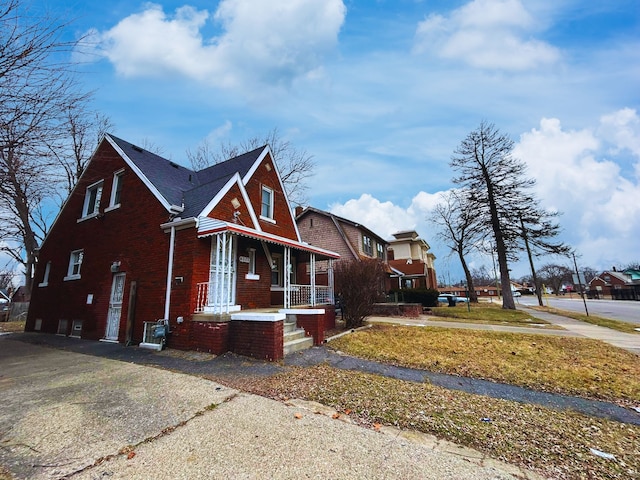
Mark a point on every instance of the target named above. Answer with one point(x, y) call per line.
point(295, 338)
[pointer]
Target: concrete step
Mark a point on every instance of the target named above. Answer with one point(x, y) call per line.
point(294, 335)
point(289, 327)
point(298, 344)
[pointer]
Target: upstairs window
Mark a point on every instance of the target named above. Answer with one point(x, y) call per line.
point(45, 278)
point(116, 189)
point(367, 247)
point(380, 249)
point(266, 210)
point(75, 263)
point(92, 200)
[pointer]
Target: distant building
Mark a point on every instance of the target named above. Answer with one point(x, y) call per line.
point(411, 261)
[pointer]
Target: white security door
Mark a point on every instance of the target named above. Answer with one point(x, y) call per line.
point(115, 307)
point(222, 274)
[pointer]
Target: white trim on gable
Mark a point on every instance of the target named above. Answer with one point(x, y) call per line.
point(139, 173)
point(234, 180)
point(252, 170)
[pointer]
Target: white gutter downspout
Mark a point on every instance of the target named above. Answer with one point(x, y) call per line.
point(167, 300)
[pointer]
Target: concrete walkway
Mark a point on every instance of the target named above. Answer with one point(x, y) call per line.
point(628, 341)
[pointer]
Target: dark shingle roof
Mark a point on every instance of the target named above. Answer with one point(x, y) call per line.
point(182, 186)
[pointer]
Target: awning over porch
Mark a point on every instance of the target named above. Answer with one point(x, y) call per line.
point(218, 294)
point(210, 226)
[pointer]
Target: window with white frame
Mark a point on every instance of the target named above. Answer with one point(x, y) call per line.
point(45, 278)
point(367, 246)
point(380, 248)
point(252, 260)
point(92, 198)
point(276, 271)
point(75, 262)
point(266, 210)
point(251, 272)
point(116, 189)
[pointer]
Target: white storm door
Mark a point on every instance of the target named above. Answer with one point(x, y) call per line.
point(222, 273)
point(115, 307)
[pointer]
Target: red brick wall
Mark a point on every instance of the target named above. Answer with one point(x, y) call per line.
point(284, 223)
point(263, 340)
point(130, 234)
point(313, 326)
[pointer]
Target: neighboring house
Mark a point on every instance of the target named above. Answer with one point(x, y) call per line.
point(142, 239)
point(352, 240)
point(617, 285)
point(412, 262)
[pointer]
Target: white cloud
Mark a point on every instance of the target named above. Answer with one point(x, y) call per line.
point(275, 41)
point(580, 176)
point(489, 34)
point(382, 218)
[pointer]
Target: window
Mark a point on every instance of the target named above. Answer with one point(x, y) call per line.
point(266, 210)
point(45, 278)
point(116, 189)
point(75, 262)
point(276, 277)
point(380, 249)
point(92, 200)
point(251, 273)
point(366, 245)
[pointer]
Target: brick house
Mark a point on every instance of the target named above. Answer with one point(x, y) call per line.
point(615, 284)
point(412, 262)
point(351, 240)
point(213, 253)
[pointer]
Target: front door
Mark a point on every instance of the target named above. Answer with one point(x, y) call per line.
point(115, 307)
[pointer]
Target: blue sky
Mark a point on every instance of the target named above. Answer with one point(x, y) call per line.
point(382, 92)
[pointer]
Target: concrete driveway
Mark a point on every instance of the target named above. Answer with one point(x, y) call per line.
point(70, 415)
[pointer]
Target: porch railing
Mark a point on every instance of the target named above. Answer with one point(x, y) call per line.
point(300, 295)
point(304, 295)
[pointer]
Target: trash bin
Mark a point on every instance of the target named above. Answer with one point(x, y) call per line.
point(452, 301)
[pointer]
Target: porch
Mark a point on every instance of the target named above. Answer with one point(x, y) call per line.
point(299, 296)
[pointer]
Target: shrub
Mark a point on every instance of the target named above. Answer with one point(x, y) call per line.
point(359, 284)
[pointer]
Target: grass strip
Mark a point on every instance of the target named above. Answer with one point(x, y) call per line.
point(572, 366)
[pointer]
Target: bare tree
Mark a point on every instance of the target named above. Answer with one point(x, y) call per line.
point(37, 91)
point(554, 276)
point(537, 231)
point(85, 130)
point(497, 188)
point(295, 166)
point(457, 229)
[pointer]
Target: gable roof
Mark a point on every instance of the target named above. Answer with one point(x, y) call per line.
point(337, 218)
point(175, 185)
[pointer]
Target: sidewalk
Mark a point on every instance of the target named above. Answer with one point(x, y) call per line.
point(628, 341)
point(73, 416)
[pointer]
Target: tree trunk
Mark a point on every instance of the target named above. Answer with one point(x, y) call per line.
point(473, 297)
point(533, 269)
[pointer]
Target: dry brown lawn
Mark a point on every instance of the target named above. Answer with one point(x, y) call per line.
point(573, 366)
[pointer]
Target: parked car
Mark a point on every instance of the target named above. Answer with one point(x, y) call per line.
point(444, 298)
point(517, 294)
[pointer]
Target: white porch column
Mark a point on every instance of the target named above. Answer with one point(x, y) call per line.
point(287, 277)
point(330, 281)
point(312, 271)
point(228, 273)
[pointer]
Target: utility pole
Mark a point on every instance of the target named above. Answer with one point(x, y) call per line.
point(584, 300)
